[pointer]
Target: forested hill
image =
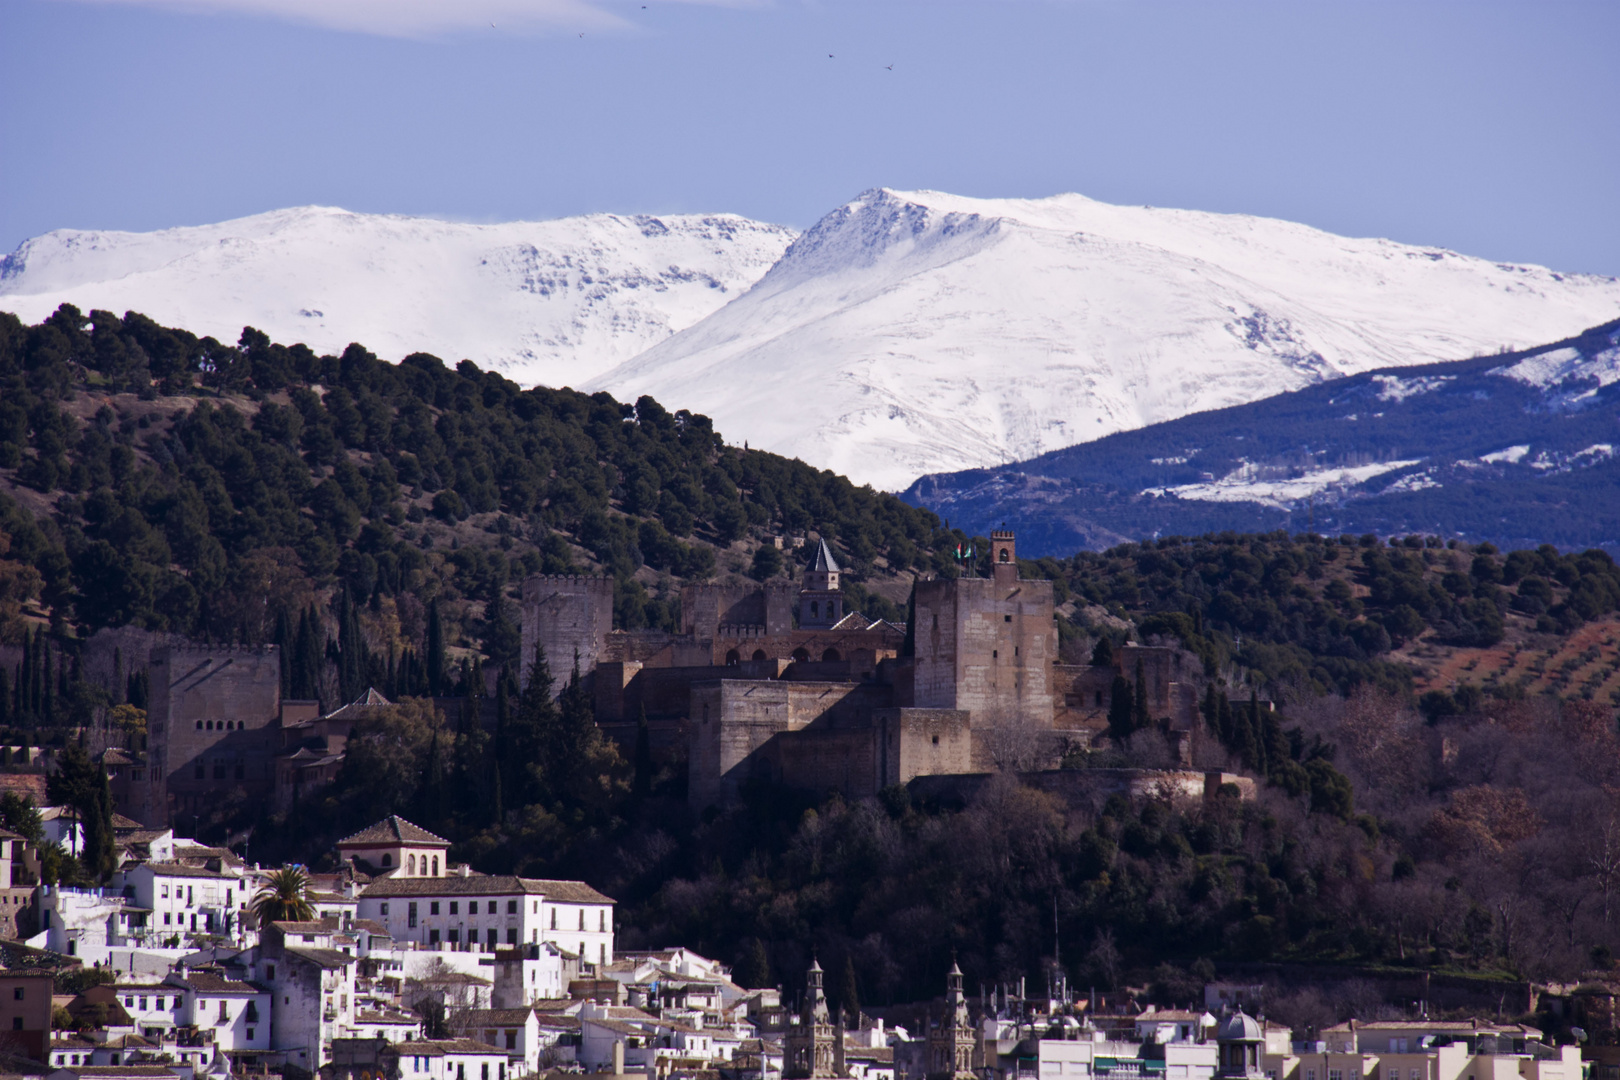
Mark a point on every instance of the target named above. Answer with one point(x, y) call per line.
point(149, 477)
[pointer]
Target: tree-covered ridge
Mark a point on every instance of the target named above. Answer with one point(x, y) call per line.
point(175, 482)
point(1320, 614)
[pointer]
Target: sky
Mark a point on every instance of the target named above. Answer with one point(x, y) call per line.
point(1485, 127)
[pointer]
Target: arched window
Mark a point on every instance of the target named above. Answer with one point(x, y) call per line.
point(388, 860)
point(830, 655)
point(1004, 555)
point(759, 654)
point(732, 658)
point(801, 654)
point(435, 866)
point(815, 610)
point(410, 867)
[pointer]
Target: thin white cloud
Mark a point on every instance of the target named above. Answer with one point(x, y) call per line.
point(409, 18)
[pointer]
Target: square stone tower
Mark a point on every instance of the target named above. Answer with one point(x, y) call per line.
point(564, 614)
point(986, 645)
point(821, 603)
point(214, 728)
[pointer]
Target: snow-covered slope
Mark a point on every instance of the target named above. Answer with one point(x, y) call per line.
point(549, 301)
point(917, 332)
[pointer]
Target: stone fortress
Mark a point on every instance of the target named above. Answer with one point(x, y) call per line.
point(832, 703)
point(774, 683)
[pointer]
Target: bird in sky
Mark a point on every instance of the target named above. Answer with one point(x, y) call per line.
point(886, 67)
point(829, 56)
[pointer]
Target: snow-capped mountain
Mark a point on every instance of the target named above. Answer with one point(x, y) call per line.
point(548, 301)
point(918, 332)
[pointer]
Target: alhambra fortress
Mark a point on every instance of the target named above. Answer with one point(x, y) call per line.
point(764, 683)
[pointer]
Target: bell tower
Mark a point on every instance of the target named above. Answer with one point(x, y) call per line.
point(951, 1044)
point(813, 1047)
point(821, 603)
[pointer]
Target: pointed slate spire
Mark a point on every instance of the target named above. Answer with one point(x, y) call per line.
point(824, 562)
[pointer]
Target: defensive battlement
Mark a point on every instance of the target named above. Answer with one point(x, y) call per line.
point(567, 579)
point(194, 649)
point(772, 585)
point(1001, 534)
point(732, 631)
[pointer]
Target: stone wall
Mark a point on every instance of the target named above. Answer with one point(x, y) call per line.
point(1090, 788)
point(706, 608)
point(565, 615)
point(733, 720)
point(214, 727)
point(923, 742)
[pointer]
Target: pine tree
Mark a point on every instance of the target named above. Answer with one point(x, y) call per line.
point(1102, 654)
point(435, 651)
point(1141, 716)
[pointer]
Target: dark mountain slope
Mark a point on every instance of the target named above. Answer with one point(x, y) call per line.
point(1461, 449)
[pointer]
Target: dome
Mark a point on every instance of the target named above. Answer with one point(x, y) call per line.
point(1240, 1027)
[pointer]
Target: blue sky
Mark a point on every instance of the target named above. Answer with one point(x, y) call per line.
point(1484, 127)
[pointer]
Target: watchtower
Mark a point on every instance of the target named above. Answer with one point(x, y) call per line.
point(821, 602)
point(564, 615)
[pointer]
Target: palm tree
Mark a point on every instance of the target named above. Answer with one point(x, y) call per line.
point(284, 897)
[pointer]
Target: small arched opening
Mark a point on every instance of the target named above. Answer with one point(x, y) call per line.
point(1004, 557)
point(831, 655)
point(732, 658)
point(801, 654)
point(759, 654)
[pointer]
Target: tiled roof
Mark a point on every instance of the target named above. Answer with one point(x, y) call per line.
point(17, 957)
point(120, 823)
point(568, 892)
point(437, 1047)
point(394, 830)
point(174, 869)
point(386, 1018)
point(121, 1070)
point(326, 958)
point(213, 983)
point(314, 926)
point(477, 1017)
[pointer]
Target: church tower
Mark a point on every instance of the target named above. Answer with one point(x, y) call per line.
point(821, 603)
point(813, 1047)
point(951, 1044)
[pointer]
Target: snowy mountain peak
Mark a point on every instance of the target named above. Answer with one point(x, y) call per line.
point(550, 301)
point(943, 332)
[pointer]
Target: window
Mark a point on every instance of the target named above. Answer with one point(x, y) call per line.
point(250, 1033)
point(582, 918)
point(17, 994)
point(200, 772)
point(1006, 618)
point(410, 918)
point(511, 1040)
point(219, 770)
point(1335, 1074)
point(16, 1023)
point(435, 866)
point(410, 865)
point(602, 922)
point(433, 907)
point(554, 918)
point(384, 909)
point(511, 907)
point(143, 1004)
point(472, 909)
point(484, 1071)
point(270, 972)
point(455, 935)
point(489, 937)
point(199, 725)
point(511, 935)
point(433, 937)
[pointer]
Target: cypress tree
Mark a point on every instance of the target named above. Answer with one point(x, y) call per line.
point(908, 647)
point(1141, 716)
point(644, 761)
point(25, 672)
point(435, 651)
point(5, 698)
point(1259, 735)
point(284, 644)
point(138, 690)
point(1210, 710)
point(1120, 707)
point(351, 649)
point(117, 688)
point(849, 995)
point(1224, 722)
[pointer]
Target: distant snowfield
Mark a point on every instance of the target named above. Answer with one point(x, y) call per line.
point(905, 333)
point(547, 301)
point(1249, 484)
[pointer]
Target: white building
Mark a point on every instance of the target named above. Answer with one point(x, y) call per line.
point(238, 1014)
point(312, 987)
point(451, 1059)
point(185, 900)
point(530, 973)
point(464, 911)
point(517, 1031)
point(87, 923)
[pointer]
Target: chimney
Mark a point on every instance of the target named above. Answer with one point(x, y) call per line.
point(464, 870)
point(618, 1057)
